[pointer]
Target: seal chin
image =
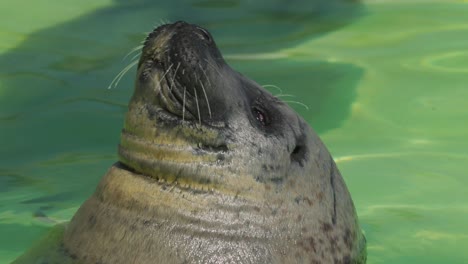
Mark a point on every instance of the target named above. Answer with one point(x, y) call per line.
point(165, 159)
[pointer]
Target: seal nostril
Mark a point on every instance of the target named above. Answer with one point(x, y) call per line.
point(204, 34)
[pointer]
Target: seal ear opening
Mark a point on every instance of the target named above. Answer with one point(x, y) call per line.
point(299, 154)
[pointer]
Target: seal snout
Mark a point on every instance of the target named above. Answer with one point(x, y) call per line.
point(192, 46)
point(179, 71)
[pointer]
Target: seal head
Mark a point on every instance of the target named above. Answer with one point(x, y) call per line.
point(189, 100)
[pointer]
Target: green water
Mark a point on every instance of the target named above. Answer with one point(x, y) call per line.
point(386, 89)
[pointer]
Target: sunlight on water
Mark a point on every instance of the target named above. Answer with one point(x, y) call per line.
point(386, 91)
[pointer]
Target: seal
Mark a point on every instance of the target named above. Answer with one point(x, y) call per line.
point(212, 169)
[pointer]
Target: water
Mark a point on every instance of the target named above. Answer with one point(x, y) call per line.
point(386, 86)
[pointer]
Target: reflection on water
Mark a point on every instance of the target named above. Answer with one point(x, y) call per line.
point(386, 92)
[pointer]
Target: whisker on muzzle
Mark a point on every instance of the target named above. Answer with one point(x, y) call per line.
point(163, 76)
point(137, 48)
point(119, 76)
point(174, 76)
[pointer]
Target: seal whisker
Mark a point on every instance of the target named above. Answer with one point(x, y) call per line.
point(212, 66)
point(198, 106)
point(206, 97)
point(136, 56)
point(173, 77)
point(299, 103)
point(204, 92)
point(137, 48)
point(209, 83)
point(183, 106)
point(279, 96)
point(273, 86)
point(284, 95)
point(165, 51)
point(204, 73)
point(119, 76)
point(164, 75)
point(161, 22)
point(145, 39)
